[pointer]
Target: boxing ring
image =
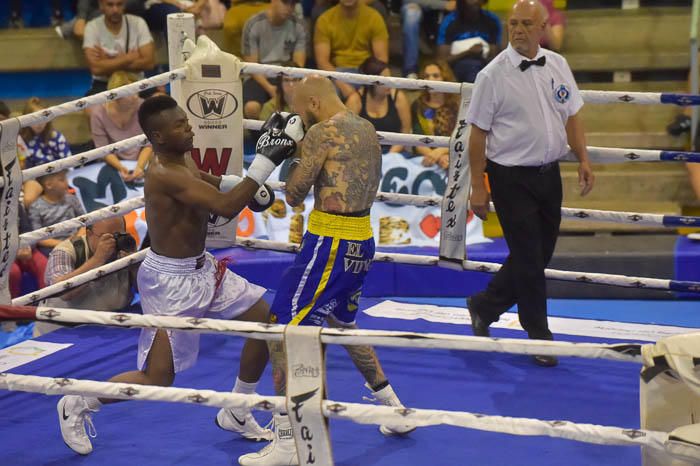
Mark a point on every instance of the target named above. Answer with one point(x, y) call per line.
point(446, 379)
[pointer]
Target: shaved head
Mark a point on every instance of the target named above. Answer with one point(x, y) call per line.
point(316, 99)
point(530, 7)
point(526, 26)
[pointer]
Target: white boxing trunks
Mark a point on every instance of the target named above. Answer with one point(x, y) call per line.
point(190, 287)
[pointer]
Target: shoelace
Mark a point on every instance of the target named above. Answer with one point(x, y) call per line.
point(86, 419)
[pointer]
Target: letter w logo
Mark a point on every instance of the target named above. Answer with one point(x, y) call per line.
point(211, 162)
point(214, 105)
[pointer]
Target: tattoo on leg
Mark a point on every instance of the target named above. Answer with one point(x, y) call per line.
point(367, 363)
point(278, 359)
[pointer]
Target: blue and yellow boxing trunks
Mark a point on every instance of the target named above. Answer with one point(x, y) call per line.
point(328, 272)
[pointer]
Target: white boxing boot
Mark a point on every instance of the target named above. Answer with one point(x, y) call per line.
point(387, 397)
point(282, 451)
point(73, 415)
point(243, 423)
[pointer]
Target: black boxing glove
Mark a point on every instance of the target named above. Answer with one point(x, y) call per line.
point(279, 142)
point(263, 198)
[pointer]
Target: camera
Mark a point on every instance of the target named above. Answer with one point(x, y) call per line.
point(125, 242)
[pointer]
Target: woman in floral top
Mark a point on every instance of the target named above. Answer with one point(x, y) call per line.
point(435, 114)
point(44, 144)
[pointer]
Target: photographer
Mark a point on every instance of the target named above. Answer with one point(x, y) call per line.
point(103, 242)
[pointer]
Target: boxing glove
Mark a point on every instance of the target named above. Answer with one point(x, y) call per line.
point(282, 132)
point(263, 198)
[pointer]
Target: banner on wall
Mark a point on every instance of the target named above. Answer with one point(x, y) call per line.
point(393, 225)
point(98, 185)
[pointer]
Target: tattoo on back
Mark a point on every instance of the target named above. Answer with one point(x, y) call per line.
point(343, 157)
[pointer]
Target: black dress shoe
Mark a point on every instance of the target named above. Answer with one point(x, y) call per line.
point(479, 327)
point(545, 361)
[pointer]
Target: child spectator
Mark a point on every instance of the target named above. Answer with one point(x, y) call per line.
point(387, 109)
point(28, 259)
point(44, 144)
point(118, 120)
point(55, 205)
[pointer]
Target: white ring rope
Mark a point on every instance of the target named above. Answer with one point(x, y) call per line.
point(489, 267)
point(70, 226)
point(356, 412)
point(48, 114)
point(84, 157)
point(595, 97)
point(597, 154)
point(628, 352)
point(411, 259)
point(81, 279)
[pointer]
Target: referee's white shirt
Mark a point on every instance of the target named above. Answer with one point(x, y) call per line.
point(524, 112)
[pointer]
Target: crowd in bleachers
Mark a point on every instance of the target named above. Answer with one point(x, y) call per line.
point(448, 40)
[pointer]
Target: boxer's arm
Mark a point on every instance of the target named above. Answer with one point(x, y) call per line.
point(196, 192)
point(211, 179)
point(305, 171)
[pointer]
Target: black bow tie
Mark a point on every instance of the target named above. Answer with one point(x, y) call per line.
point(525, 64)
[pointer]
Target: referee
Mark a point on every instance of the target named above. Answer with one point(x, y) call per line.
point(524, 109)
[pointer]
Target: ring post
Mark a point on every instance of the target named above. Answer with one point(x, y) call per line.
point(180, 27)
point(11, 188)
point(455, 207)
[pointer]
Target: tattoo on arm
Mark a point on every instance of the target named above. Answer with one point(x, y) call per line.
point(314, 151)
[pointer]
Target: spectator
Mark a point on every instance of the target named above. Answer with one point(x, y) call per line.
point(209, 13)
point(98, 244)
point(271, 37)
point(55, 205)
point(415, 13)
point(469, 38)
point(387, 109)
point(347, 35)
point(235, 19)
point(28, 259)
point(116, 41)
point(86, 10)
point(16, 21)
point(284, 94)
point(44, 144)
point(321, 6)
point(435, 114)
point(553, 37)
point(31, 190)
point(118, 120)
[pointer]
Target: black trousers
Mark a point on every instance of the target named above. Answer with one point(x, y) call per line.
point(528, 205)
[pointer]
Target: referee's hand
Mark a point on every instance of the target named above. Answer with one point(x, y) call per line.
point(586, 178)
point(479, 200)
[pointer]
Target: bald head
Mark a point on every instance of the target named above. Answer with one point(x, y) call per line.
point(529, 8)
point(316, 99)
point(526, 26)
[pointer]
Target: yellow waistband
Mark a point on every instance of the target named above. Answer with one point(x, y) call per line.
point(339, 226)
